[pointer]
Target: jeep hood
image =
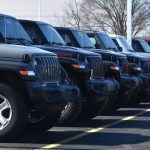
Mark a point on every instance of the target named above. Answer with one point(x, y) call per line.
point(132, 54)
point(146, 55)
point(66, 49)
point(108, 52)
point(17, 51)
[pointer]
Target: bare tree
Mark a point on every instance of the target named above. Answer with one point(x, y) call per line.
point(72, 16)
point(107, 15)
point(141, 15)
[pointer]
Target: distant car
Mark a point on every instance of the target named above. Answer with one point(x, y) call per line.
point(140, 45)
point(123, 46)
point(148, 41)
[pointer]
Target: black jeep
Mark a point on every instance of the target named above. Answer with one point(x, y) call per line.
point(129, 85)
point(141, 46)
point(102, 41)
point(84, 68)
point(33, 85)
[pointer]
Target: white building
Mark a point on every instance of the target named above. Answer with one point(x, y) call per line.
point(28, 9)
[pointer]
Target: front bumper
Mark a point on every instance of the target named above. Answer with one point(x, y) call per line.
point(129, 90)
point(52, 96)
point(102, 87)
point(130, 82)
point(146, 81)
point(144, 94)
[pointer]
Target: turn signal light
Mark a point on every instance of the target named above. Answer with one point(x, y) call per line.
point(114, 68)
point(26, 73)
point(77, 66)
point(136, 68)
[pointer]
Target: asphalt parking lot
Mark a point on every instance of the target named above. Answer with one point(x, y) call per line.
point(125, 129)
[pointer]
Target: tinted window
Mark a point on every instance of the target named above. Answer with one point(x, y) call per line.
point(126, 44)
point(34, 33)
point(115, 41)
point(2, 27)
point(83, 39)
point(51, 34)
point(136, 46)
point(11, 28)
point(145, 46)
point(68, 38)
point(107, 41)
point(93, 40)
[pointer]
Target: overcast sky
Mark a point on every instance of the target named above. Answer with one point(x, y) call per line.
point(28, 9)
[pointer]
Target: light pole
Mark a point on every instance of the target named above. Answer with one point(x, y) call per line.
point(129, 21)
point(39, 10)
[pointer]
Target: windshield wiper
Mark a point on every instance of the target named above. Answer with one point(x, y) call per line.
point(89, 47)
point(130, 50)
point(25, 41)
point(20, 41)
point(56, 43)
point(114, 49)
point(13, 41)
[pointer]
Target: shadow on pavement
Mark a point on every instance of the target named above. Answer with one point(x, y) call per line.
point(112, 139)
point(142, 105)
point(123, 113)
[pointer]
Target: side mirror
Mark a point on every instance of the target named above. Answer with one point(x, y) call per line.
point(37, 41)
point(120, 49)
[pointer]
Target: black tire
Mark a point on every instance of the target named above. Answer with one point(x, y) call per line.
point(44, 123)
point(70, 112)
point(19, 115)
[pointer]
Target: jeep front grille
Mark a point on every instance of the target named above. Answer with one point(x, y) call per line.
point(96, 65)
point(47, 68)
point(123, 63)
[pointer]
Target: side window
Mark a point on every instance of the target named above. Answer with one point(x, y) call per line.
point(136, 46)
point(93, 40)
point(2, 29)
point(116, 43)
point(34, 33)
point(9, 22)
point(67, 38)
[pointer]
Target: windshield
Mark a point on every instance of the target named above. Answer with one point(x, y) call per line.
point(83, 39)
point(11, 29)
point(145, 46)
point(51, 34)
point(126, 44)
point(107, 41)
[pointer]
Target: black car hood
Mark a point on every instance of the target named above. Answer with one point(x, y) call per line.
point(108, 52)
point(66, 49)
point(128, 54)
